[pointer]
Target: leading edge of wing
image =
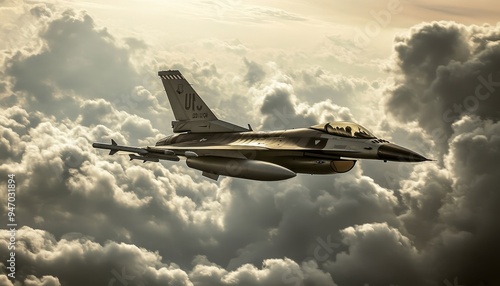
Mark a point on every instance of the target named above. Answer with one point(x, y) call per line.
point(212, 147)
point(244, 148)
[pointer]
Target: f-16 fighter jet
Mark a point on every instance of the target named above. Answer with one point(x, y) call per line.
point(217, 147)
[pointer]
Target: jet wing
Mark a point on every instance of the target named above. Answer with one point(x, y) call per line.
point(196, 148)
point(212, 147)
point(171, 153)
point(256, 145)
point(236, 147)
point(228, 151)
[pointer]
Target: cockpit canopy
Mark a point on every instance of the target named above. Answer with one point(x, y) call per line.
point(345, 129)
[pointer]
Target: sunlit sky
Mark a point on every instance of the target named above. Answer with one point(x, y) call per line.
point(296, 34)
point(362, 31)
point(295, 25)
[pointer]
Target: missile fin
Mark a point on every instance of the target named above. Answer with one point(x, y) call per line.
point(209, 175)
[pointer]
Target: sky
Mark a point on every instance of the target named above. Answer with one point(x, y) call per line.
point(422, 74)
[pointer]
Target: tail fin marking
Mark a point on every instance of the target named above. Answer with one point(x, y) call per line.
point(190, 111)
point(185, 102)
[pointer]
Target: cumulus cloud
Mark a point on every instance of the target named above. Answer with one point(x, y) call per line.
point(255, 72)
point(32, 280)
point(84, 50)
point(72, 257)
point(366, 261)
point(468, 210)
point(446, 70)
point(88, 218)
point(446, 83)
point(282, 108)
point(75, 62)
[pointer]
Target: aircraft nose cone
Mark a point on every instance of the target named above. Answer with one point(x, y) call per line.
point(393, 152)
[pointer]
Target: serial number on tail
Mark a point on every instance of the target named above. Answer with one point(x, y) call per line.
point(200, 115)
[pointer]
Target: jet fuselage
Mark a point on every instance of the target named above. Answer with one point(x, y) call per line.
point(302, 150)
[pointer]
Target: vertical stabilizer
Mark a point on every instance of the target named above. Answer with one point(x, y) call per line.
point(186, 103)
point(191, 113)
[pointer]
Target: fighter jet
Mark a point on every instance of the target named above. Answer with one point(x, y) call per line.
point(217, 147)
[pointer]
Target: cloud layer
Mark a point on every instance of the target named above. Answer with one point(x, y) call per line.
point(446, 70)
point(88, 218)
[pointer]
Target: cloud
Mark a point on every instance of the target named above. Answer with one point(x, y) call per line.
point(446, 70)
point(76, 62)
point(236, 11)
point(74, 256)
point(59, 159)
point(89, 218)
point(274, 272)
point(449, 210)
point(423, 194)
point(279, 222)
point(281, 108)
point(357, 95)
point(70, 259)
point(469, 210)
point(255, 72)
point(136, 44)
point(233, 46)
point(84, 50)
point(79, 187)
point(275, 13)
point(449, 90)
point(366, 260)
point(32, 280)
